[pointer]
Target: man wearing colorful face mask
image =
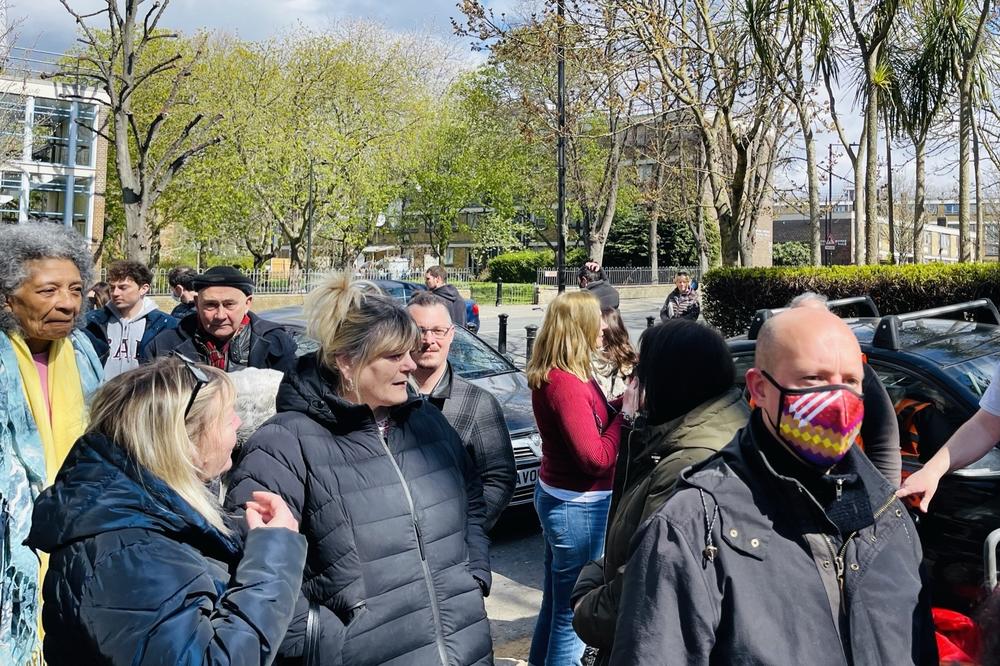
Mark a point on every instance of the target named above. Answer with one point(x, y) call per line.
point(788, 546)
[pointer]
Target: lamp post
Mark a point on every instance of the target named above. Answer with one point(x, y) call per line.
point(888, 191)
point(829, 208)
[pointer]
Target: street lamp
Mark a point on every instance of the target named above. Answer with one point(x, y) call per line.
point(561, 151)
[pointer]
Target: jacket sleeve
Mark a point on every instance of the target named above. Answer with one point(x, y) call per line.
point(595, 606)
point(595, 451)
point(156, 604)
point(667, 614)
point(695, 309)
point(665, 310)
point(494, 456)
point(284, 350)
point(476, 540)
point(332, 634)
point(880, 429)
point(270, 460)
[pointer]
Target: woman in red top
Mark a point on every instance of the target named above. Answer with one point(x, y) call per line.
point(580, 432)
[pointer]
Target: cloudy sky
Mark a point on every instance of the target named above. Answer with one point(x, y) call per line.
point(44, 25)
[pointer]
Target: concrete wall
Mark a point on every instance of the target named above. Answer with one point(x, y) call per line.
point(261, 302)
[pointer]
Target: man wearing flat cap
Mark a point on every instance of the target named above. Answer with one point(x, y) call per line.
point(222, 332)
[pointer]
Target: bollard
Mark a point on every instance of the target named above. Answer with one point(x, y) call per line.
point(499, 293)
point(502, 336)
point(649, 322)
point(529, 339)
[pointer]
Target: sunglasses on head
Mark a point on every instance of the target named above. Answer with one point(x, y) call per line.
point(201, 378)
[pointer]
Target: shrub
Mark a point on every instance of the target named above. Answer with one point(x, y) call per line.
point(791, 253)
point(732, 295)
point(519, 266)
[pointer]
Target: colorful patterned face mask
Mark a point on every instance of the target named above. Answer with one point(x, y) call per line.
point(819, 423)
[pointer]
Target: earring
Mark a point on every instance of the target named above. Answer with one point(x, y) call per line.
point(348, 383)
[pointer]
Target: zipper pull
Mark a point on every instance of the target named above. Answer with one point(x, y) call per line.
point(840, 490)
point(838, 563)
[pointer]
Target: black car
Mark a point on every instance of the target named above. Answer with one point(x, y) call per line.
point(477, 362)
point(935, 370)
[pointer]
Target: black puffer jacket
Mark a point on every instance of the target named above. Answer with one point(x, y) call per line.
point(396, 542)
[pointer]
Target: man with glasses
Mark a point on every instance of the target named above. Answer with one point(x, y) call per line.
point(472, 412)
point(222, 332)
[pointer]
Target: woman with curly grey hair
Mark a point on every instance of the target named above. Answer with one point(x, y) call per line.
point(47, 370)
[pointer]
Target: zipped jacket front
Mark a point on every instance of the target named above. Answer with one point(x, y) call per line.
point(742, 566)
point(394, 522)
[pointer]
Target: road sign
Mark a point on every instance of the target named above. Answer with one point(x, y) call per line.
point(829, 247)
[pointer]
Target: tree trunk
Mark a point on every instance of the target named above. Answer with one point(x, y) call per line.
point(980, 229)
point(858, 227)
point(654, 220)
point(871, 178)
point(813, 178)
point(919, 196)
point(964, 130)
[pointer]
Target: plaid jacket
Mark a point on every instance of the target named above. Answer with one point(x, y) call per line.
point(478, 419)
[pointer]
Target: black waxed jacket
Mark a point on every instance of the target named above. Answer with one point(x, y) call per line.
point(394, 524)
point(782, 587)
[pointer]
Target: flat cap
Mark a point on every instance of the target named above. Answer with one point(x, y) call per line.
point(223, 276)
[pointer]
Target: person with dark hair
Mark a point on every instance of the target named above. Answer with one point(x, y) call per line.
point(436, 280)
point(614, 361)
point(474, 413)
point(181, 279)
point(222, 332)
point(121, 330)
point(99, 295)
point(690, 408)
point(787, 546)
point(592, 278)
point(48, 369)
point(683, 302)
point(388, 499)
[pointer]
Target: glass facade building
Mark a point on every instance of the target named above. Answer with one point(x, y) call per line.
point(50, 144)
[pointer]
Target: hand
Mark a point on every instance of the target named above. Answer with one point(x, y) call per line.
point(592, 266)
point(269, 510)
point(632, 399)
point(921, 485)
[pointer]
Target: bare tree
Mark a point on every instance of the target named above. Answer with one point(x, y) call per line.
point(119, 60)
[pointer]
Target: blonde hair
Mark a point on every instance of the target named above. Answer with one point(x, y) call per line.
point(357, 320)
point(567, 339)
point(142, 411)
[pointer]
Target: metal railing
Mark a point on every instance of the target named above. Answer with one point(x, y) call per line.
point(621, 276)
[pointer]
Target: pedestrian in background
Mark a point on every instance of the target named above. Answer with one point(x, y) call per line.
point(473, 412)
point(181, 281)
point(436, 280)
point(580, 433)
point(143, 565)
point(683, 302)
point(124, 327)
point(48, 369)
point(591, 278)
point(689, 408)
point(614, 361)
point(99, 295)
point(390, 502)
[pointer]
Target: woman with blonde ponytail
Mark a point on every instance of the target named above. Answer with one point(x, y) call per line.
point(391, 504)
point(144, 568)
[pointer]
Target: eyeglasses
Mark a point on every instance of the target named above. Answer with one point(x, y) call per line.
point(437, 332)
point(201, 378)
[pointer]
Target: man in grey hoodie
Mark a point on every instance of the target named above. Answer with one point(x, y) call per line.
point(121, 329)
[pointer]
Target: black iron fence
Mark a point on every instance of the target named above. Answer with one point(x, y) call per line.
point(621, 276)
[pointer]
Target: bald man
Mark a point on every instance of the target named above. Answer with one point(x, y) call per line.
point(788, 546)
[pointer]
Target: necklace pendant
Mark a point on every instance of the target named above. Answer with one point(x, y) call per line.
point(709, 553)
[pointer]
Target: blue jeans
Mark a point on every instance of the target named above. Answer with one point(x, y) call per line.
point(573, 533)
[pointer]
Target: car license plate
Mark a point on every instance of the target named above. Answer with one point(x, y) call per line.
point(527, 477)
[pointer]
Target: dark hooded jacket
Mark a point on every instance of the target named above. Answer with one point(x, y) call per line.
point(649, 464)
point(454, 301)
point(271, 347)
point(136, 576)
point(394, 524)
point(743, 565)
point(605, 293)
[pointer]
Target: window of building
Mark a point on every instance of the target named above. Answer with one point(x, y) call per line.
point(81, 204)
point(945, 245)
point(85, 135)
point(942, 221)
point(47, 197)
point(927, 242)
point(50, 131)
point(951, 209)
point(11, 125)
point(10, 196)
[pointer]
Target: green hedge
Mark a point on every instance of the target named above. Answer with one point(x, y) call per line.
point(523, 266)
point(731, 295)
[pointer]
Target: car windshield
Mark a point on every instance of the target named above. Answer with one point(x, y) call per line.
point(975, 374)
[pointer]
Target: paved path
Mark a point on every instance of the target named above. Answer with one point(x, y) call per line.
point(516, 559)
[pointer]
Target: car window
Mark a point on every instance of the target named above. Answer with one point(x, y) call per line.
point(743, 362)
point(927, 416)
point(975, 374)
point(472, 358)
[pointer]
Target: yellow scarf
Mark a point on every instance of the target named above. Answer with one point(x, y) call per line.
point(58, 430)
